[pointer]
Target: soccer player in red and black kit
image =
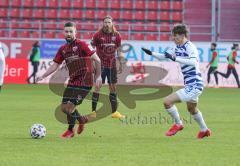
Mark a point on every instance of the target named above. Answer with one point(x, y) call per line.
point(107, 42)
point(231, 64)
point(78, 57)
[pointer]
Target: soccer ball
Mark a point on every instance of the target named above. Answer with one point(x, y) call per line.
point(37, 131)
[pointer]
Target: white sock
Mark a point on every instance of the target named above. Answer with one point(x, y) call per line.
point(174, 114)
point(199, 119)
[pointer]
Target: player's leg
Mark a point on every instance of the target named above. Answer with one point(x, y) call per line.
point(2, 68)
point(216, 77)
point(198, 117)
point(227, 74)
point(236, 76)
point(169, 104)
point(209, 73)
point(112, 80)
point(35, 70)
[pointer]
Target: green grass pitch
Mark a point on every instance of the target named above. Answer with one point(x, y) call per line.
point(135, 141)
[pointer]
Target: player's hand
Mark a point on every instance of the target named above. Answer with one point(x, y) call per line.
point(169, 56)
point(147, 51)
point(98, 82)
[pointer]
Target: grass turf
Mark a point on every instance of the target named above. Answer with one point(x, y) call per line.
point(137, 140)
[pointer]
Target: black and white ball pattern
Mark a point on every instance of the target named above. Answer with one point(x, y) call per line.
point(38, 131)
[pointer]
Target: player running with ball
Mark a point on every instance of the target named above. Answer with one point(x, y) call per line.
point(186, 54)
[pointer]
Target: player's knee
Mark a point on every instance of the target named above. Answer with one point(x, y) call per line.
point(192, 109)
point(167, 103)
point(67, 108)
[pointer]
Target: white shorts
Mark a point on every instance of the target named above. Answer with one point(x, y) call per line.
point(189, 94)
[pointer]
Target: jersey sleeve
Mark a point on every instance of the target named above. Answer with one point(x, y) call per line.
point(94, 40)
point(59, 57)
point(118, 40)
point(191, 51)
point(87, 49)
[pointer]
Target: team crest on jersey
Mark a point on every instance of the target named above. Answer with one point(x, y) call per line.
point(74, 48)
point(113, 38)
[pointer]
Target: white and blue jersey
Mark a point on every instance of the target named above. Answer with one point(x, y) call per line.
point(191, 73)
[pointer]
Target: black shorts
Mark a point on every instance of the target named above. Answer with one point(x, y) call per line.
point(75, 94)
point(110, 74)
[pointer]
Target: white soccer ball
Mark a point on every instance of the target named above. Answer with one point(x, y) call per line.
point(37, 131)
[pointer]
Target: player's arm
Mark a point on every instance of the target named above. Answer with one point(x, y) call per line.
point(234, 57)
point(97, 63)
point(158, 56)
point(49, 71)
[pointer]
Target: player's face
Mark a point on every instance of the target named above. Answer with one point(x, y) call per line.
point(107, 25)
point(178, 39)
point(70, 33)
point(212, 47)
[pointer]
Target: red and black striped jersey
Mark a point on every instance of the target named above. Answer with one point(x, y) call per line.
point(77, 57)
point(106, 46)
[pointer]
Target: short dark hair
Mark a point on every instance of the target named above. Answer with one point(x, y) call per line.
point(214, 44)
point(69, 24)
point(180, 29)
point(234, 46)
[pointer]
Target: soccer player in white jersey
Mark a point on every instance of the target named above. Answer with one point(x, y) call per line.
point(2, 66)
point(186, 54)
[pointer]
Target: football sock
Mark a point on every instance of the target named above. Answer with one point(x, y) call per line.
point(71, 121)
point(199, 119)
point(113, 101)
point(0, 88)
point(81, 119)
point(95, 98)
point(174, 114)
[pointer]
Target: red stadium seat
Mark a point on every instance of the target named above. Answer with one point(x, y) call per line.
point(14, 13)
point(165, 16)
point(153, 4)
point(164, 37)
point(36, 24)
point(4, 34)
point(4, 3)
point(90, 14)
point(35, 34)
point(177, 5)
point(115, 4)
point(14, 24)
point(16, 3)
point(127, 4)
point(28, 3)
point(64, 14)
point(50, 25)
point(177, 16)
point(60, 35)
point(49, 34)
point(88, 25)
point(76, 14)
point(137, 36)
point(102, 4)
point(25, 24)
point(152, 27)
point(124, 26)
point(124, 36)
point(24, 34)
point(87, 35)
point(51, 13)
point(4, 24)
point(26, 13)
point(101, 14)
point(165, 27)
point(138, 26)
point(165, 5)
point(152, 15)
point(41, 3)
point(126, 15)
point(77, 4)
point(115, 14)
point(3, 12)
point(90, 4)
point(14, 34)
point(139, 15)
point(65, 4)
point(152, 36)
point(140, 4)
point(38, 13)
point(53, 3)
